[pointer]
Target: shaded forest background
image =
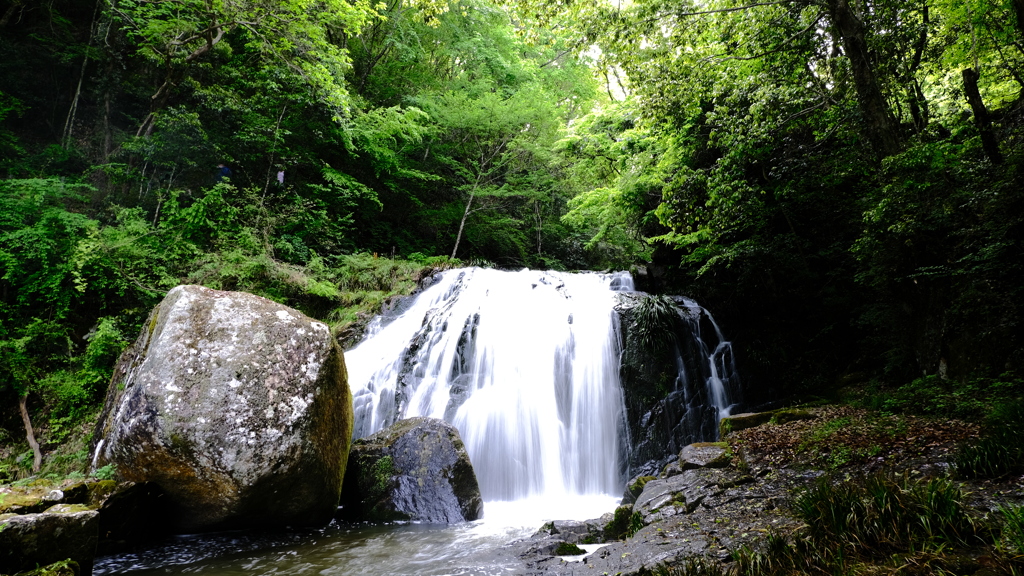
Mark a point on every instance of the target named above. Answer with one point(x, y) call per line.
point(838, 181)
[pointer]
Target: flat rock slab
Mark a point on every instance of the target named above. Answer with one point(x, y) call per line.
point(704, 455)
point(236, 407)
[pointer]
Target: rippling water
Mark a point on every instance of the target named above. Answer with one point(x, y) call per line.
point(473, 548)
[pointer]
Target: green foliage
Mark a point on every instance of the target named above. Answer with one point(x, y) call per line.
point(933, 396)
point(108, 472)
point(636, 523)
point(9, 146)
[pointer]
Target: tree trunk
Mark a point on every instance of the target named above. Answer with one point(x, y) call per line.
point(37, 456)
point(881, 128)
point(981, 119)
point(1018, 7)
point(462, 224)
point(915, 95)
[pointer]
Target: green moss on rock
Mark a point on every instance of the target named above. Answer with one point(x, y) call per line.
point(787, 415)
point(616, 529)
point(567, 549)
point(638, 485)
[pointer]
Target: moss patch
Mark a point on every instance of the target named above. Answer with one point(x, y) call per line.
point(62, 568)
point(637, 487)
point(616, 529)
point(567, 549)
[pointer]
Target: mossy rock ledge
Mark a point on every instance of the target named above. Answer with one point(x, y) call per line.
point(31, 540)
point(237, 407)
point(417, 469)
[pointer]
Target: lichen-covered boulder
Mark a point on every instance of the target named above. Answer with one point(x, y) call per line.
point(31, 540)
point(418, 469)
point(236, 407)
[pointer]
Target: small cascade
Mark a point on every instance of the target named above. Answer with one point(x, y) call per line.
point(529, 367)
point(676, 392)
point(525, 365)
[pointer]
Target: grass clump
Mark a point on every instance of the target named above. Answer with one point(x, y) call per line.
point(1000, 449)
point(885, 513)
point(1013, 528)
point(884, 519)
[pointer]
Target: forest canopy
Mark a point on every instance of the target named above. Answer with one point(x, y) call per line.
point(839, 181)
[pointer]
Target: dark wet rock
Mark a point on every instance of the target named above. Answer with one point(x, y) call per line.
point(77, 492)
point(417, 469)
point(665, 385)
point(31, 540)
point(127, 516)
point(236, 406)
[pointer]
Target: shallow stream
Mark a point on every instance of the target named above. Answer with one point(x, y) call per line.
point(473, 548)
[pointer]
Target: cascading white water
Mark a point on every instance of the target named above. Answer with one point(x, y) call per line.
point(525, 364)
point(721, 362)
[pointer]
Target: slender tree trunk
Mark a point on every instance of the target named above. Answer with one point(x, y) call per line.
point(37, 456)
point(881, 127)
point(540, 223)
point(69, 124)
point(989, 143)
point(462, 224)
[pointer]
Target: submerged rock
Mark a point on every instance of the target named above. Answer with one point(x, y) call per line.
point(418, 469)
point(31, 540)
point(236, 407)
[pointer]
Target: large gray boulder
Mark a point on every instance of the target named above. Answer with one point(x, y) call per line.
point(31, 540)
point(417, 469)
point(237, 407)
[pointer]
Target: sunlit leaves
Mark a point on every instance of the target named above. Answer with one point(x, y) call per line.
point(297, 33)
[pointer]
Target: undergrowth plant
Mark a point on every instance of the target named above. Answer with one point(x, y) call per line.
point(877, 520)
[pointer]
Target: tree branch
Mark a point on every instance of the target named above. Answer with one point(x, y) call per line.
point(716, 11)
point(783, 48)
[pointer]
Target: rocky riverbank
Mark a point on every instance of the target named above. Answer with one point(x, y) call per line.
point(739, 495)
point(718, 505)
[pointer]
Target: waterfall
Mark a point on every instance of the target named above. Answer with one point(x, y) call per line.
point(527, 366)
point(524, 364)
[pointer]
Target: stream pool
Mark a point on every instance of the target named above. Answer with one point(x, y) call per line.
point(472, 548)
